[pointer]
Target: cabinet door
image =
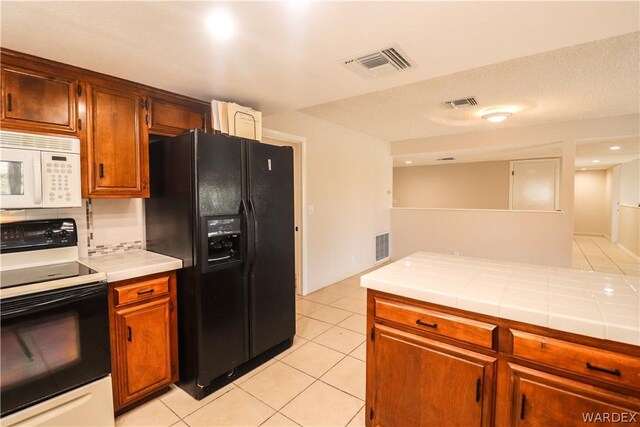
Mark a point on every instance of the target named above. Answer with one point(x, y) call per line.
point(144, 348)
point(540, 399)
point(172, 119)
point(117, 163)
point(38, 101)
point(414, 381)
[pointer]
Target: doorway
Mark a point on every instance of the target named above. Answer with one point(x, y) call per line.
point(297, 144)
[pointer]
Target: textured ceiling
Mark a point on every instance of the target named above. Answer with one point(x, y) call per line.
point(588, 151)
point(286, 54)
point(592, 80)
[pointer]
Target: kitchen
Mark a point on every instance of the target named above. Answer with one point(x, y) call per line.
point(354, 134)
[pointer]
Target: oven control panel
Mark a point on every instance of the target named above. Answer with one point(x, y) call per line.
point(38, 234)
point(61, 180)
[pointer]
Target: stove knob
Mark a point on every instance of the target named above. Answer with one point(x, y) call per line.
point(64, 234)
point(48, 233)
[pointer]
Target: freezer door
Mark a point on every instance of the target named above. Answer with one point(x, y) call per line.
point(271, 250)
point(219, 174)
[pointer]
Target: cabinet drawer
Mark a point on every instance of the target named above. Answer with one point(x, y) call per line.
point(600, 364)
point(141, 291)
point(447, 325)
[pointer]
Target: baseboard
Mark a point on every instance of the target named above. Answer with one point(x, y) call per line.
point(628, 252)
point(590, 234)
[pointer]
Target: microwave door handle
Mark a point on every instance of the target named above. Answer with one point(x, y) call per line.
point(37, 180)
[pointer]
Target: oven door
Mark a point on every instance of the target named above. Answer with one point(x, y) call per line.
point(52, 342)
point(20, 178)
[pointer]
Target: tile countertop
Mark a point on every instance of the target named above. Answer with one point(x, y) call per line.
point(599, 305)
point(131, 264)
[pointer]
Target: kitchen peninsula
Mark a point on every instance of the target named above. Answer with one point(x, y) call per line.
point(464, 341)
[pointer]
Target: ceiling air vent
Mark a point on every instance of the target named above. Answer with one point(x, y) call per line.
point(462, 103)
point(383, 61)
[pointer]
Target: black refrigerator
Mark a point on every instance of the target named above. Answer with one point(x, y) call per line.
point(224, 205)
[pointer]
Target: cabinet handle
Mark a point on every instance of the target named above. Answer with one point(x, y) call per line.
point(615, 372)
point(101, 167)
point(478, 384)
point(148, 291)
point(429, 325)
point(146, 119)
point(523, 401)
point(9, 103)
point(129, 334)
point(79, 124)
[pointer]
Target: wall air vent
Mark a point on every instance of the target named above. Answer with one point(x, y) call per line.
point(382, 247)
point(462, 103)
point(380, 62)
point(446, 158)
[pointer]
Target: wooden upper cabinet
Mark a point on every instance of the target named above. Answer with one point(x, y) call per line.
point(117, 144)
point(39, 101)
point(171, 119)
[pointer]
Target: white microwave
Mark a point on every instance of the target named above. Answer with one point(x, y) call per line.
point(39, 171)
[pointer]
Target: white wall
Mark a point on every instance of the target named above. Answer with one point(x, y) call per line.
point(590, 203)
point(348, 176)
point(630, 183)
point(475, 185)
point(530, 237)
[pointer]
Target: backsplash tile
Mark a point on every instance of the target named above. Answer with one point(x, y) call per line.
point(105, 226)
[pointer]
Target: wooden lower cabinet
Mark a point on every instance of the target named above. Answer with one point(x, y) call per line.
point(421, 382)
point(143, 337)
point(541, 399)
point(429, 365)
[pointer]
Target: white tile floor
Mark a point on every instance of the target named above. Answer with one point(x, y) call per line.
point(597, 253)
point(319, 381)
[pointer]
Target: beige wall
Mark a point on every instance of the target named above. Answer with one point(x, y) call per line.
point(348, 177)
point(531, 237)
point(590, 203)
point(479, 185)
point(629, 233)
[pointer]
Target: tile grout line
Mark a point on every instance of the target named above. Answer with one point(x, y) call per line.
point(583, 254)
point(612, 260)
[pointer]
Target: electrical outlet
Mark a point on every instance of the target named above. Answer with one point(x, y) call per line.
point(353, 259)
point(456, 253)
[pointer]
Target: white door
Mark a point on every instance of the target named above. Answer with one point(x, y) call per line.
point(615, 202)
point(534, 185)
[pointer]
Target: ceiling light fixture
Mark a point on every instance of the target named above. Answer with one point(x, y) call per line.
point(408, 162)
point(614, 147)
point(497, 116)
point(221, 25)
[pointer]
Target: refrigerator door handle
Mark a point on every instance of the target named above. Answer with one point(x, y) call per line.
point(254, 229)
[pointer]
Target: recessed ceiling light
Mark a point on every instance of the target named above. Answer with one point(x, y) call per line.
point(221, 25)
point(497, 116)
point(595, 161)
point(614, 147)
point(408, 162)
